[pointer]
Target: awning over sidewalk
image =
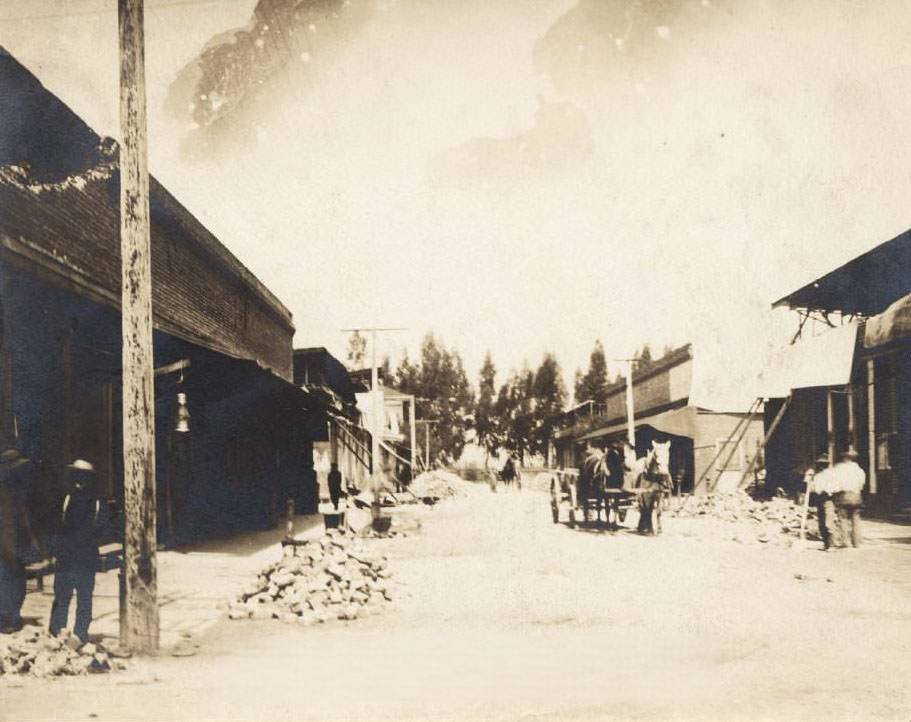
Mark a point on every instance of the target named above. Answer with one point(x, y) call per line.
point(824, 360)
point(677, 422)
point(893, 324)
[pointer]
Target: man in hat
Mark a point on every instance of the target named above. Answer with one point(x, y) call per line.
point(823, 481)
point(77, 550)
point(848, 498)
point(16, 537)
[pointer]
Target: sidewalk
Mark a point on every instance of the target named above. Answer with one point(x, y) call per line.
point(192, 582)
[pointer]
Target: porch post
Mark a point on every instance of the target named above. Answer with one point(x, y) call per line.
point(852, 421)
point(871, 423)
point(830, 424)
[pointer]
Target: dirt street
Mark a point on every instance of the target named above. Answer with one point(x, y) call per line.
point(499, 614)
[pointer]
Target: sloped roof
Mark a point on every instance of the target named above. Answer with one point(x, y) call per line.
point(48, 152)
point(863, 286)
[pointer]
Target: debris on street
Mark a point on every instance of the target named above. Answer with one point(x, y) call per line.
point(334, 577)
point(775, 521)
point(33, 651)
point(437, 484)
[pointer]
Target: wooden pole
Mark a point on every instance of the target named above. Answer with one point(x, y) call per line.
point(871, 424)
point(746, 419)
point(830, 425)
point(630, 410)
point(411, 424)
point(772, 428)
point(140, 574)
point(852, 420)
point(805, 510)
point(375, 452)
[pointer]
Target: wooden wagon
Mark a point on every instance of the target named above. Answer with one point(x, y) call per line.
point(575, 498)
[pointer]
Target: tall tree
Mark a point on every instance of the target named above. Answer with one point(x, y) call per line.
point(550, 396)
point(644, 357)
point(485, 421)
point(591, 386)
point(443, 394)
point(515, 411)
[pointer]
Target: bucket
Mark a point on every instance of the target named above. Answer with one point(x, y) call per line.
point(332, 521)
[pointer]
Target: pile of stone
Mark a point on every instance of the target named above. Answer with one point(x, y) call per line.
point(437, 484)
point(776, 520)
point(335, 577)
point(32, 651)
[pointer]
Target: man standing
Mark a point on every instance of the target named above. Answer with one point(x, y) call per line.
point(849, 499)
point(77, 550)
point(824, 483)
point(15, 537)
point(335, 485)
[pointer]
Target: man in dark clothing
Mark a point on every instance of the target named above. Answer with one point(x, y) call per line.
point(15, 537)
point(335, 485)
point(77, 551)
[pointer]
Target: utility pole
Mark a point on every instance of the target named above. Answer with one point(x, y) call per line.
point(139, 612)
point(630, 409)
point(427, 424)
point(412, 433)
point(376, 423)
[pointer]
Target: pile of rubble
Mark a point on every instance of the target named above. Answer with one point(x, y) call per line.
point(32, 651)
point(335, 577)
point(437, 484)
point(774, 521)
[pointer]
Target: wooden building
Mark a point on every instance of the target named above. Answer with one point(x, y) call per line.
point(703, 455)
point(230, 424)
point(868, 406)
point(338, 435)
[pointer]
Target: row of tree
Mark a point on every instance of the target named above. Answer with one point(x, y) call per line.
point(517, 416)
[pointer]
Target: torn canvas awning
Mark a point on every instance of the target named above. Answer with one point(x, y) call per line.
point(677, 422)
point(824, 360)
point(893, 324)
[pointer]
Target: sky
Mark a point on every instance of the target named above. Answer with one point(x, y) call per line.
point(522, 176)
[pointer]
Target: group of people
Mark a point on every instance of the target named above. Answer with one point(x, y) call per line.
point(839, 500)
point(73, 548)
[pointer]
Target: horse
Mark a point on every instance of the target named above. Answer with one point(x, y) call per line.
point(600, 480)
point(650, 478)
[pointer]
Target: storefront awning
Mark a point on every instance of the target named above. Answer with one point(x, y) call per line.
point(677, 422)
point(893, 324)
point(824, 360)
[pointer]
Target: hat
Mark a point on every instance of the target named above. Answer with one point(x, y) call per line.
point(82, 465)
point(11, 459)
point(850, 454)
point(822, 459)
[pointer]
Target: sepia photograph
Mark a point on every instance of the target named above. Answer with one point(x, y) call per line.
point(455, 360)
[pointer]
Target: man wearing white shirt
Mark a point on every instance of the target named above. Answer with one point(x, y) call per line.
point(848, 497)
point(823, 483)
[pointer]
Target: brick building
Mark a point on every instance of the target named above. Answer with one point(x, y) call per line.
point(222, 341)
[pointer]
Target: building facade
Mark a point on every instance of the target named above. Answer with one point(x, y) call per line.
point(229, 420)
point(709, 449)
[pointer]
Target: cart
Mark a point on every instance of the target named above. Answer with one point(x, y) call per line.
point(574, 501)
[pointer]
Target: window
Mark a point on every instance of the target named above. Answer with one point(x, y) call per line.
point(726, 449)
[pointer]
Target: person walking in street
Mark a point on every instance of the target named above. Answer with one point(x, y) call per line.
point(335, 485)
point(16, 537)
point(849, 498)
point(77, 550)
